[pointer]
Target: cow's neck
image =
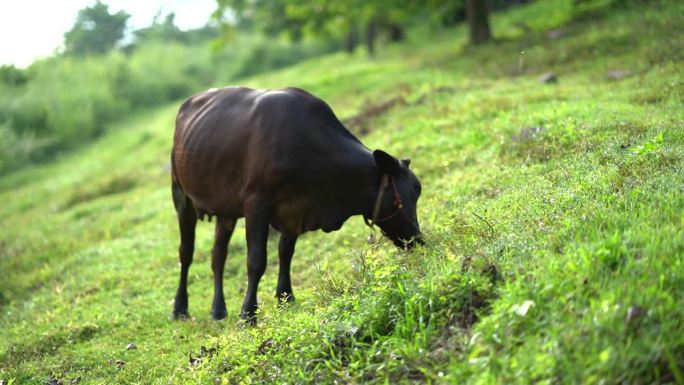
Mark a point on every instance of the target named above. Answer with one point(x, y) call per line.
point(353, 189)
point(363, 186)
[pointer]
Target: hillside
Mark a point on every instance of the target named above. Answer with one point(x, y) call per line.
point(553, 216)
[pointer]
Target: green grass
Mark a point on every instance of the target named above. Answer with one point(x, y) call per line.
point(553, 215)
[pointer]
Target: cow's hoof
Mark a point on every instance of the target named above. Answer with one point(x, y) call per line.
point(284, 298)
point(218, 314)
point(248, 319)
point(180, 315)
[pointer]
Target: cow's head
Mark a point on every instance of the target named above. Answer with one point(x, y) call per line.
point(397, 214)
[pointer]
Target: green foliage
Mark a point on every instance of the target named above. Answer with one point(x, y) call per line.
point(323, 19)
point(96, 31)
point(552, 215)
point(164, 30)
point(259, 55)
point(161, 71)
point(649, 147)
point(12, 76)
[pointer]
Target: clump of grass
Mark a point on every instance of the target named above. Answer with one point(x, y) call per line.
point(382, 330)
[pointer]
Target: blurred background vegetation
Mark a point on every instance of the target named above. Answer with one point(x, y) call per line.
point(103, 72)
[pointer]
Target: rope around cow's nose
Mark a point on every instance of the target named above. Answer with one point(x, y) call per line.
point(376, 210)
point(398, 204)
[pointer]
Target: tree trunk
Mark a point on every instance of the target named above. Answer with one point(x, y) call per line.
point(352, 40)
point(370, 37)
point(478, 21)
point(396, 33)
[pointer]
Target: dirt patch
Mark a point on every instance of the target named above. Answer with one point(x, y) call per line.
point(424, 97)
point(359, 122)
point(114, 185)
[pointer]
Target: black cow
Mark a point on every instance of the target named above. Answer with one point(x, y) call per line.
point(277, 158)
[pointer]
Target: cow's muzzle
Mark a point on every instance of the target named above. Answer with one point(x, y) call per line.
point(408, 244)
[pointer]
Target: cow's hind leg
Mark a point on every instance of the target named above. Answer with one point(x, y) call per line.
point(187, 220)
point(224, 229)
point(286, 248)
point(257, 219)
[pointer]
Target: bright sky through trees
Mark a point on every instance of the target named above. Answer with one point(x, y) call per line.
point(30, 29)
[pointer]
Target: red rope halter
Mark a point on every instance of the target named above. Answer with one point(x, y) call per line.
point(398, 204)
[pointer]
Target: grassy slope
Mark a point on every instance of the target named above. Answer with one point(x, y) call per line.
point(555, 254)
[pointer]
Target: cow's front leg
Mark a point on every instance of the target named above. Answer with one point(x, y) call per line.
point(286, 248)
point(257, 220)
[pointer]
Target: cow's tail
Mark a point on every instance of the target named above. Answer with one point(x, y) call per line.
point(180, 199)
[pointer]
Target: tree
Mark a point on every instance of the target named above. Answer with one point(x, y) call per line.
point(96, 31)
point(351, 20)
point(165, 30)
point(478, 21)
point(355, 21)
point(13, 76)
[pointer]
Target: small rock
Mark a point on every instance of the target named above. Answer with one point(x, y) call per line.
point(548, 78)
point(634, 313)
point(556, 34)
point(528, 133)
point(131, 346)
point(618, 74)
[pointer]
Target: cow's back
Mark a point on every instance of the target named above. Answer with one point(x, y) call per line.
point(233, 140)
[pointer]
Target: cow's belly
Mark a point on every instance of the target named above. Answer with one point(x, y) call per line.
point(299, 215)
point(224, 207)
point(290, 217)
point(214, 186)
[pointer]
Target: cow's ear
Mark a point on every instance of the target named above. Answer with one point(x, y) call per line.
point(386, 162)
point(407, 162)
